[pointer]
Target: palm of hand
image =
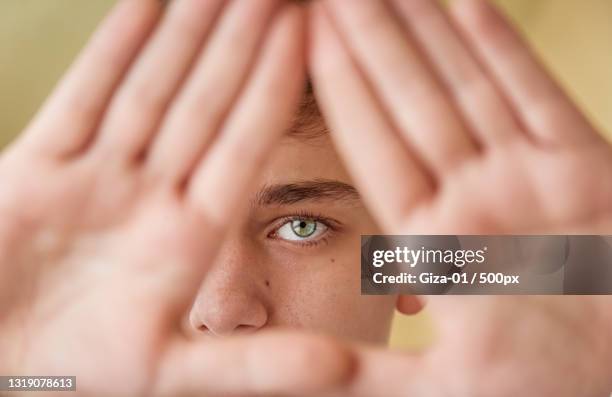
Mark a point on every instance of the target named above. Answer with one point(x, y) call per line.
point(524, 188)
point(472, 137)
point(505, 345)
point(108, 223)
point(101, 246)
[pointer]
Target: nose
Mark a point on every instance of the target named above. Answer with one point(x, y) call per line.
point(230, 299)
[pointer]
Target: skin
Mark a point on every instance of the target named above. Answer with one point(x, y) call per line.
point(113, 159)
point(72, 289)
point(262, 279)
point(477, 139)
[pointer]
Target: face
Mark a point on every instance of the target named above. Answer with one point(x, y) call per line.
point(294, 259)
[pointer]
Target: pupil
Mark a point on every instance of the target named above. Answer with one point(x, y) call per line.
point(304, 228)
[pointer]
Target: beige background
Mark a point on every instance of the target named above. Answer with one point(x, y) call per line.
point(39, 38)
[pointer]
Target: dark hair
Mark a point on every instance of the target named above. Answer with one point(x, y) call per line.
point(308, 122)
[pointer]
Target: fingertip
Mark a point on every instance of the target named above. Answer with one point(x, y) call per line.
point(410, 305)
point(294, 11)
point(477, 15)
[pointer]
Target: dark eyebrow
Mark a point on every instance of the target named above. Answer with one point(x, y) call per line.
point(314, 190)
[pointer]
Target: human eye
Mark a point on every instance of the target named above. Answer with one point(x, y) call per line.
point(301, 229)
point(306, 230)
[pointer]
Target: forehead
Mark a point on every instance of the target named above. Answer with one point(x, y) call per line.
point(306, 151)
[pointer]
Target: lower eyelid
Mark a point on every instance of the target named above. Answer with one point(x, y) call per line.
point(310, 243)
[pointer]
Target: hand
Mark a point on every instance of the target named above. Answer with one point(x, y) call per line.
point(450, 126)
point(495, 346)
point(461, 131)
point(120, 191)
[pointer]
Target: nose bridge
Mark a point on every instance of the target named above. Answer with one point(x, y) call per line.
point(231, 298)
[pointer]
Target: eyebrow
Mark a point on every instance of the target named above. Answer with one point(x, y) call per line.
point(314, 190)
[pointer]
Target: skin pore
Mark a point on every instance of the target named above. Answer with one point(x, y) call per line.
point(294, 261)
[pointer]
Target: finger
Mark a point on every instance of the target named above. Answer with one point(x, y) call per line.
point(70, 117)
point(486, 111)
point(400, 77)
point(265, 364)
point(261, 115)
point(410, 304)
point(541, 104)
point(385, 373)
point(380, 162)
point(213, 87)
point(141, 102)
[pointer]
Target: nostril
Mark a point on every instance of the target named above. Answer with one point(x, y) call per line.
point(245, 329)
point(224, 314)
point(240, 329)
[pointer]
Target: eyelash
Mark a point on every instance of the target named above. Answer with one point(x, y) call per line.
point(332, 227)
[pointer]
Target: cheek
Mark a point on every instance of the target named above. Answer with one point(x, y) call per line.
point(323, 293)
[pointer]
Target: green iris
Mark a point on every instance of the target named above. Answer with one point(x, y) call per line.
point(304, 227)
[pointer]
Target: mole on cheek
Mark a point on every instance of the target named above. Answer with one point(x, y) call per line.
point(332, 260)
point(267, 283)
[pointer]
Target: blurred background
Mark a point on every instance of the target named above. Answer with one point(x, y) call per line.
point(39, 39)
